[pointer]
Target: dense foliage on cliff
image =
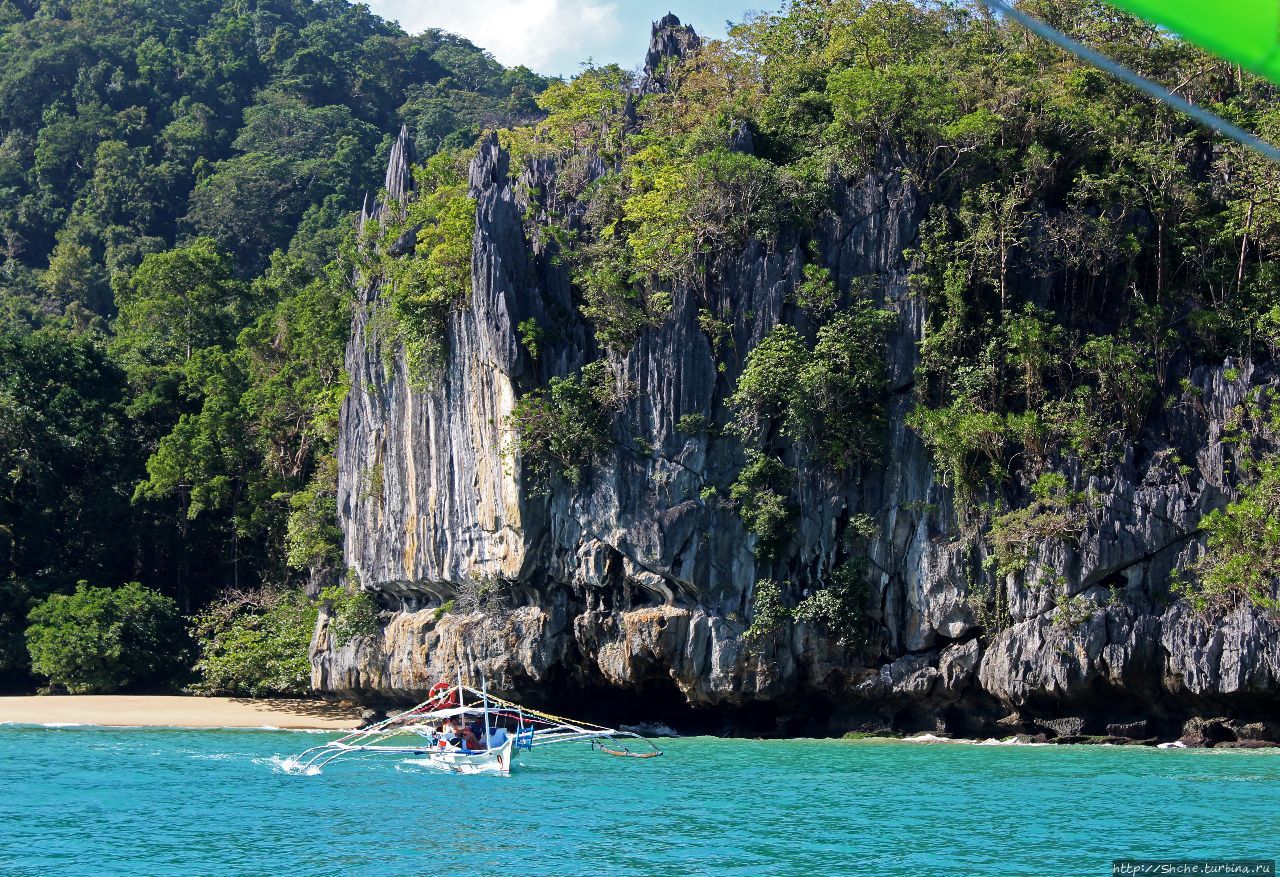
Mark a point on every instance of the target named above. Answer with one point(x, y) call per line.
point(1242, 562)
point(177, 185)
point(178, 177)
point(439, 224)
point(1085, 250)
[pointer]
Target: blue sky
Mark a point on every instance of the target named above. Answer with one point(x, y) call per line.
point(556, 36)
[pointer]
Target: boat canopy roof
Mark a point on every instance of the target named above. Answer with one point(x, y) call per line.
point(533, 728)
point(450, 712)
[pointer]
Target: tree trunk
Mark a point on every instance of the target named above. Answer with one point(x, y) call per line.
point(1244, 245)
point(235, 538)
point(1159, 259)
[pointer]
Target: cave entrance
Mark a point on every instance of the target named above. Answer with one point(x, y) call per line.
point(657, 700)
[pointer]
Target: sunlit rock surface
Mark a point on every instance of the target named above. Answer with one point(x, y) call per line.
point(632, 581)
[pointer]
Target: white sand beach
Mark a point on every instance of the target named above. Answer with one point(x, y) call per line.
point(178, 712)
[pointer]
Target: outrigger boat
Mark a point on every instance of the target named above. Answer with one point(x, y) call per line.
point(429, 734)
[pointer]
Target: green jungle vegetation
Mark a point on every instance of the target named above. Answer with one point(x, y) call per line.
point(178, 180)
point(178, 186)
point(1085, 249)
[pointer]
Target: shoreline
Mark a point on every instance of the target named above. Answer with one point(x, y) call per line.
point(1076, 740)
point(177, 711)
point(193, 712)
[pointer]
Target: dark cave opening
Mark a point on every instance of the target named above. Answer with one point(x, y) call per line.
point(657, 700)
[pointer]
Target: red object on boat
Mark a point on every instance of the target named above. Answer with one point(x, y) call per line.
point(441, 696)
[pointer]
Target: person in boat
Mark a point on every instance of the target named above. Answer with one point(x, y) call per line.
point(470, 741)
point(497, 737)
point(448, 735)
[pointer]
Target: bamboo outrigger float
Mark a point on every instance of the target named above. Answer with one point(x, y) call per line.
point(442, 732)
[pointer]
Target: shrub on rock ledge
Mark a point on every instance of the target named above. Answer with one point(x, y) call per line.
point(563, 427)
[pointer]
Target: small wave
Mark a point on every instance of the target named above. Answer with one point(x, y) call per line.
point(1176, 744)
point(933, 738)
point(289, 765)
point(1010, 741)
point(968, 741)
point(63, 725)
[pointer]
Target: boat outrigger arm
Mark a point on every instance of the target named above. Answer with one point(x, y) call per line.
point(508, 728)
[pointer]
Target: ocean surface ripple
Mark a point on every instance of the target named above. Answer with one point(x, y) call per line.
point(81, 800)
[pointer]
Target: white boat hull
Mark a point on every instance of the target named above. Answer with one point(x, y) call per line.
point(492, 761)
point(414, 730)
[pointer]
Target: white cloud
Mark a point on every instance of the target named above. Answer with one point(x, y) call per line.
point(529, 32)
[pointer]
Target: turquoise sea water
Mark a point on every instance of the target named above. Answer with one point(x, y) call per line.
point(164, 802)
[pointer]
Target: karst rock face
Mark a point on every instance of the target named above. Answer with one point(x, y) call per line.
point(632, 581)
point(670, 43)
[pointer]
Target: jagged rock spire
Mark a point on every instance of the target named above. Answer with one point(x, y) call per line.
point(670, 43)
point(399, 183)
point(399, 187)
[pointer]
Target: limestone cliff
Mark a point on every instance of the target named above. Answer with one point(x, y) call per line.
point(632, 581)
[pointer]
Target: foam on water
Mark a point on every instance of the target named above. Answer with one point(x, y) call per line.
point(933, 738)
point(966, 741)
point(288, 764)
